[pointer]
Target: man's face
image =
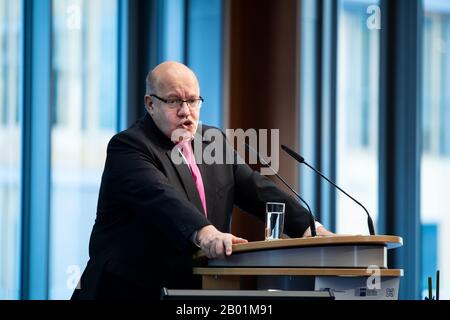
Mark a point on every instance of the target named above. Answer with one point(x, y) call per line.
point(182, 120)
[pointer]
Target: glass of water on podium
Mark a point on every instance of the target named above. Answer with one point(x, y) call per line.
point(274, 220)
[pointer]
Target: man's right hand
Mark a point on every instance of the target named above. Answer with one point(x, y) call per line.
point(216, 244)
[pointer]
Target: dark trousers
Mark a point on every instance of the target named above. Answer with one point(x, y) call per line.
point(114, 287)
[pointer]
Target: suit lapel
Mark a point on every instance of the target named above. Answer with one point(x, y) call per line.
point(165, 146)
point(188, 182)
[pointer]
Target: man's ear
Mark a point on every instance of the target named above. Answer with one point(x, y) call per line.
point(148, 104)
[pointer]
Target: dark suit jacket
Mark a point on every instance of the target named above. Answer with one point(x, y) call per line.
point(148, 209)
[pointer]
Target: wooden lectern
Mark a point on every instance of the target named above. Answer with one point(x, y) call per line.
point(353, 267)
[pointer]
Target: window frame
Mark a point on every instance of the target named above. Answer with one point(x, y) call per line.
point(399, 124)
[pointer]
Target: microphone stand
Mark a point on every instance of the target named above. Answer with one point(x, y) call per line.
point(312, 223)
point(300, 159)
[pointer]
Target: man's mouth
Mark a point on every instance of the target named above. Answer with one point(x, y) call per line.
point(187, 124)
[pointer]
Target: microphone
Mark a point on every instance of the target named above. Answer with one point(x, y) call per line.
point(300, 159)
point(312, 223)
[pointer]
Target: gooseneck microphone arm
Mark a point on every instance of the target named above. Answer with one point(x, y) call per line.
point(300, 159)
point(312, 223)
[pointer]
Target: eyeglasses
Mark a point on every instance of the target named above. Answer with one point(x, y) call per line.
point(178, 103)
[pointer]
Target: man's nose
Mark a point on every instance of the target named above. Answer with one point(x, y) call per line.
point(183, 109)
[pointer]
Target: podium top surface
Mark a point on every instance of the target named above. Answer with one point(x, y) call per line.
point(351, 272)
point(390, 242)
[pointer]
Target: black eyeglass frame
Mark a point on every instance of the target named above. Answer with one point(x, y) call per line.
point(179, 102)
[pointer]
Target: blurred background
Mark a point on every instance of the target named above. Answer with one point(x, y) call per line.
point(357, 86)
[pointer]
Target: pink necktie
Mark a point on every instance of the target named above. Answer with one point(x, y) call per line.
point(189, 155)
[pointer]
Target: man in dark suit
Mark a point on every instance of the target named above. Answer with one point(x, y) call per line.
point(154, 213)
